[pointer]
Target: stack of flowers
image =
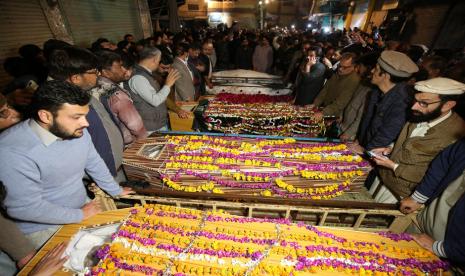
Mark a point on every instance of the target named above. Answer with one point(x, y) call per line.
point(165, 240)
point(263, 118)
point(280, 168)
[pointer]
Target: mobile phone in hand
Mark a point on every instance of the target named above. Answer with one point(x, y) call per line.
point(373, 155)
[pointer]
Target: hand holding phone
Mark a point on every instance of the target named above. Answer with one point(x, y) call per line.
point(371, 154)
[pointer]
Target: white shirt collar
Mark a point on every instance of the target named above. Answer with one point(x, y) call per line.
point(45, 136)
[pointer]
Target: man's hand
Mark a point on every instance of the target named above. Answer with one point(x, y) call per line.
point(20, 97)
point(183, 114)
point(91, 209)
point(9, 117)
point(173, 76)
point(311, 61)
point(384, 162)
point(318, 116)
point(200, 67)
point(51, 262)
point(21, 263)
point(409, 205)
point(344, 137)
point(424, 241)
point(127, 191)
point(355, 147)
point(382, 151)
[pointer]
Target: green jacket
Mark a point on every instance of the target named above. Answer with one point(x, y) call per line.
point(337, 93)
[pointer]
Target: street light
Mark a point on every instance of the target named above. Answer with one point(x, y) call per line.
point(260, 3)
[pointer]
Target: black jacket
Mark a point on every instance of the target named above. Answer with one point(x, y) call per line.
point(385, 116)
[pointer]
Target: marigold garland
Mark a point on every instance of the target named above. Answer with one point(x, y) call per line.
point(271, 167)
point(162, 240)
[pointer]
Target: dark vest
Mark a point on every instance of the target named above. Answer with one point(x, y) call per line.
point(154, 117)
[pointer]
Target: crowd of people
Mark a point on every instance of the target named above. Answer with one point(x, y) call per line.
point(69, 113)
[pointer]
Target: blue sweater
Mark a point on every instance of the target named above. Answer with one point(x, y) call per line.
point(44, 183)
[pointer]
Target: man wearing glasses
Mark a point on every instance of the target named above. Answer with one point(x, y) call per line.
point(79, 67)
point(339, 89)
point(431, 127)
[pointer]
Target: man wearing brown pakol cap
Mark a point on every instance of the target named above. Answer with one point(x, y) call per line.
point(431, 127)
point(387, 106)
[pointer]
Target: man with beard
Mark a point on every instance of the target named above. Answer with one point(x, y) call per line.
point(431, 127)
point(353, 112)
point(117, 100)
point(43, 161)
point(160, 76)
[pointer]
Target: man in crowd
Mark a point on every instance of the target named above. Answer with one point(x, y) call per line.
point(196, 67)
point(262, 59)
point(433, 66)
point(43, 161)
point(432, 127)
point(243, 56)
point(205, 57)
point(442, 189)
point(160, 75)
point(103, 44)
point(310, 79)
point(79, 67)
point(116, 99)
point(296, 61)
point(184, 85)
point(149, 99)
point(339, 89)
point(129, 38)
point(166, 44)
point(387, 106)
point(353, 112)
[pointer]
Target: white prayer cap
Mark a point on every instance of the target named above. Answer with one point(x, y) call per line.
point(441, 86)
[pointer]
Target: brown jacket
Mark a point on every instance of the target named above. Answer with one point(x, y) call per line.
point(415, 154)
point(13, 241)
